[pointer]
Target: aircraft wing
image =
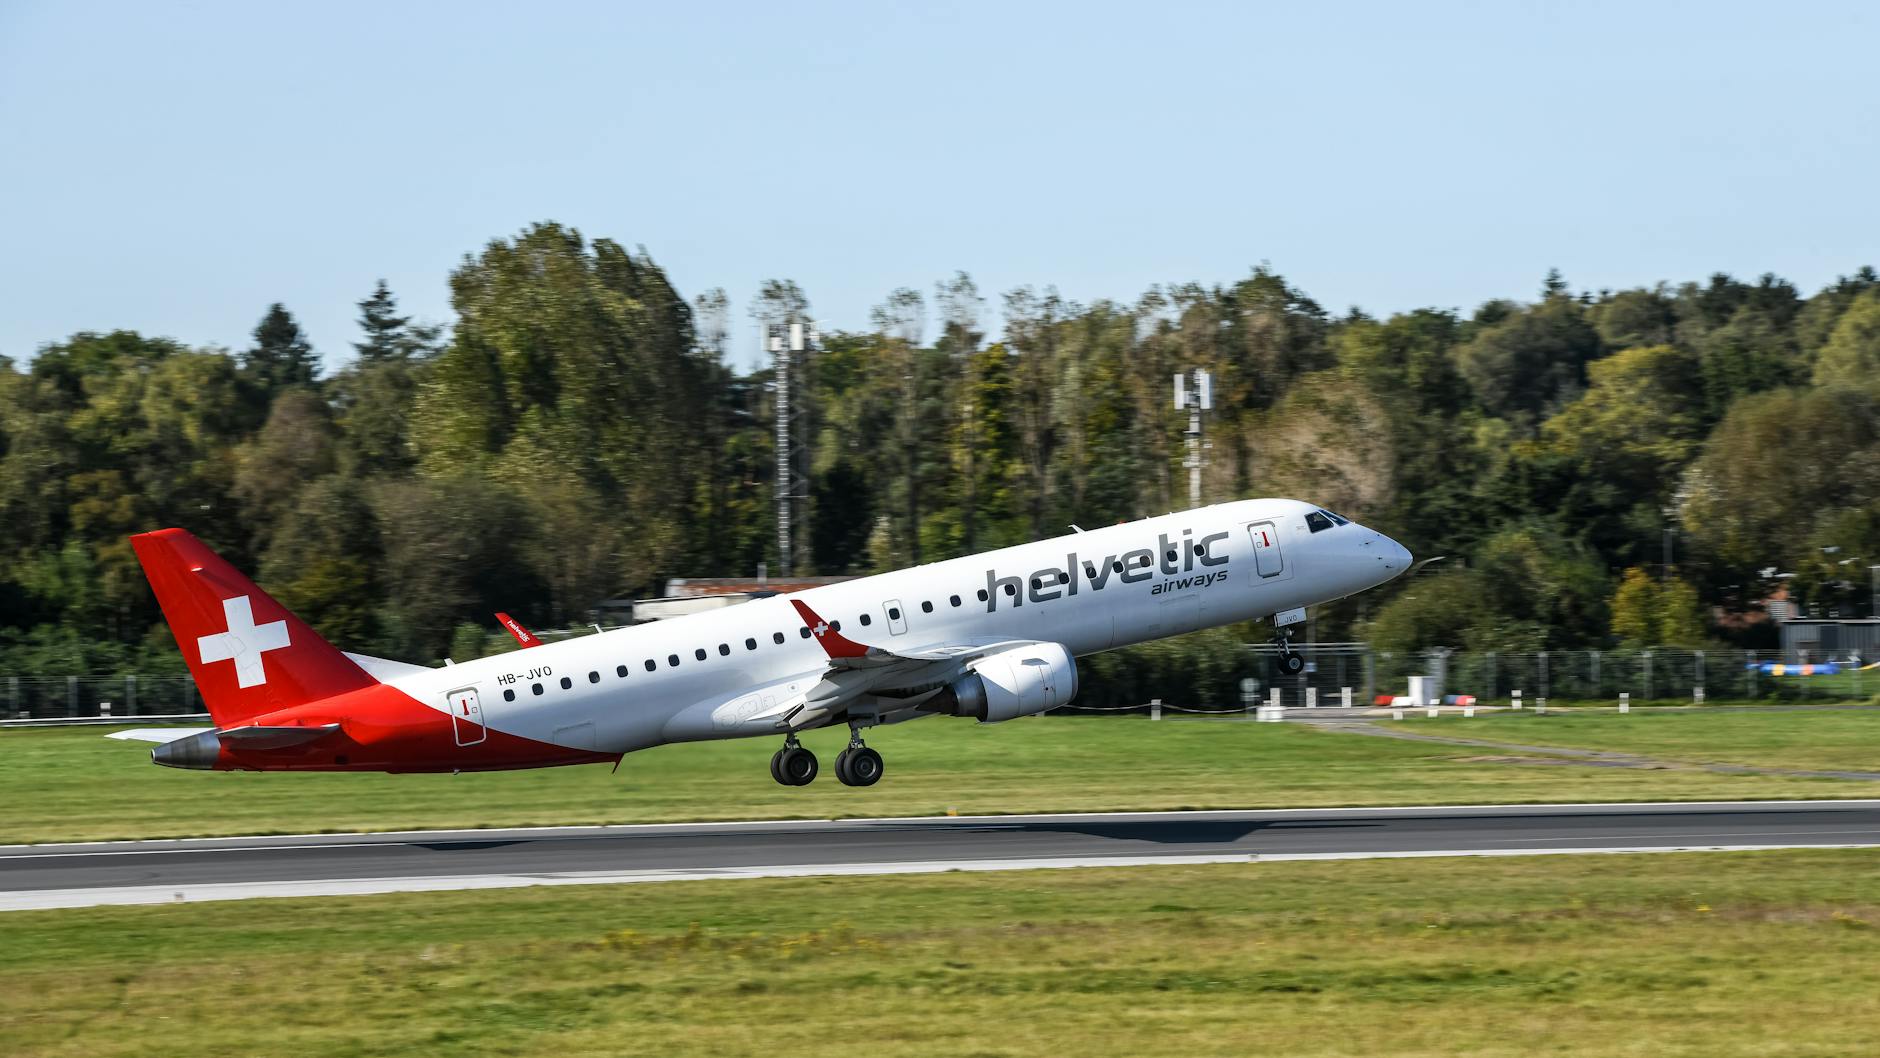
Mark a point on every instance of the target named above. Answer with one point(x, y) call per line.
point(887, 681)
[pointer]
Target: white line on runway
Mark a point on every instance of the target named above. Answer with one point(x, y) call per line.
point(46, 899)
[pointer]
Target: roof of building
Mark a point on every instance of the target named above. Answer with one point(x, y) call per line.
point(696, 587)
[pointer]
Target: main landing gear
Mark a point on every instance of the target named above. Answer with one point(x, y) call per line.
point(794, 765)
point(1287, 663)
point(858, 765)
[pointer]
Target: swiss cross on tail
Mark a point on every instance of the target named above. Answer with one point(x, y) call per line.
point(244, 642)
point(834, 643)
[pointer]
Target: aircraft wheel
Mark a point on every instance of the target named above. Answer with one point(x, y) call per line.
point(862, 768)
point(796, 766)
point(1290, 664)
point(776, 768)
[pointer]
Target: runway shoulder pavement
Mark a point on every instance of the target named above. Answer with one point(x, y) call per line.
point(145, 872)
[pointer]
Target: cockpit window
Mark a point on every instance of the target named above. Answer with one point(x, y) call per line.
point(1318, 521)
point(1336, 520)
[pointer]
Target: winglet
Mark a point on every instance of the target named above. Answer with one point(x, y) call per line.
point(523, 635)
point(834, 643)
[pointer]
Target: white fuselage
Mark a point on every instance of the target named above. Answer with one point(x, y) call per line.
point(728, 673)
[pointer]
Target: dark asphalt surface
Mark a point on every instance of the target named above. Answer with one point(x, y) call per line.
point(552, 851)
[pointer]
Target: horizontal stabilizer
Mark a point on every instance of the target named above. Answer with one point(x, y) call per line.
point(157, 734)
point(274, 737)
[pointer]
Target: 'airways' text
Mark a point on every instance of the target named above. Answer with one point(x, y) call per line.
point(1187, 582)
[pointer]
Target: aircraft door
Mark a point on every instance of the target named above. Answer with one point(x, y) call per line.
point(466, 717)
point(1267, 560)
point(897, 620)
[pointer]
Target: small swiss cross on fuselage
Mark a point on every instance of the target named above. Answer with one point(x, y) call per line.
point(821, 630)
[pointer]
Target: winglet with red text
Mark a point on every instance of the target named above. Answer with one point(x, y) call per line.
point(834, 643)
point(523, 635)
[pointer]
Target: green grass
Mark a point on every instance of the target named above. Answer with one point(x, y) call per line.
point(1714, 954)
point(1831, 741)
point(73, 784)
point(1853, 685)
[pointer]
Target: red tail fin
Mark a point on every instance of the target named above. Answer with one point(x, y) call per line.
point(249, 655)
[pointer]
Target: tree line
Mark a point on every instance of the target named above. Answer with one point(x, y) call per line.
point(576, 432)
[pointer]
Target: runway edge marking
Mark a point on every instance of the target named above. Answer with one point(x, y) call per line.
point(55, 899)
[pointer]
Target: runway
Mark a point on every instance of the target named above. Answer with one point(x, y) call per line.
point(145, 872)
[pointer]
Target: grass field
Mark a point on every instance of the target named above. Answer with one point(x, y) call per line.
point(1711, 954)
point(72, 784)
point(1830, 741)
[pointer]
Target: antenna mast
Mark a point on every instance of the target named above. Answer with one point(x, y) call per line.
point(1194, 391)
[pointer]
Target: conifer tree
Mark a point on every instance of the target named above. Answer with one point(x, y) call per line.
point(281, 357)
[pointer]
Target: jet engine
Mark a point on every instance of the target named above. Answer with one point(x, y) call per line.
point(1018, 682)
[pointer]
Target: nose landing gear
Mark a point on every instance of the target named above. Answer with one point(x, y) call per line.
point(1288, 663)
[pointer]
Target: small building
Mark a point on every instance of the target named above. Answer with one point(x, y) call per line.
point(1808, 639)
point(689, 595)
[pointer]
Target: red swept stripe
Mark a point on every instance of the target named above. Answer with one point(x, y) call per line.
point(834, 643)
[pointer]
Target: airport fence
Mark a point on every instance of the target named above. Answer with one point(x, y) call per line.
point(1239, 681)
point(1339, 672)
point(84, 697)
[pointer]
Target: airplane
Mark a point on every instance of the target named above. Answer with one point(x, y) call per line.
point(991, 637)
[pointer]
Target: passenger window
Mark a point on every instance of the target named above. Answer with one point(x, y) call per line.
point(594, 677)
point(954, 599)
point(894, 613)
point(867, 620)
point(620, 671)
point(803, 632)
point(509, 694)
point(925, 606)
point(536, 687)
point(724, 650)
point(982, 595)
point(835, 626)
point(566, 683)
point(777, 637)
point(1011, 589)
point(750, 644)
point(1117, 566)
point(651, 665)
point(699, 653)
point(672, 661)
point(1317, 521)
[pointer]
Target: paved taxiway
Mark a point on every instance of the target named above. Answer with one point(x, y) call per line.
point(38, 876)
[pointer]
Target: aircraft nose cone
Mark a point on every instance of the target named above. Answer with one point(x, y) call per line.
point(198, 751)
point(1396, 556)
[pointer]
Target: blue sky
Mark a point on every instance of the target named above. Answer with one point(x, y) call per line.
point(175, 168)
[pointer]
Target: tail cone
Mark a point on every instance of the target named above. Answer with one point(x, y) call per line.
point(198, 751)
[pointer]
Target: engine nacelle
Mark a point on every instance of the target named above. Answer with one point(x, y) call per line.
point(1018, 682)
